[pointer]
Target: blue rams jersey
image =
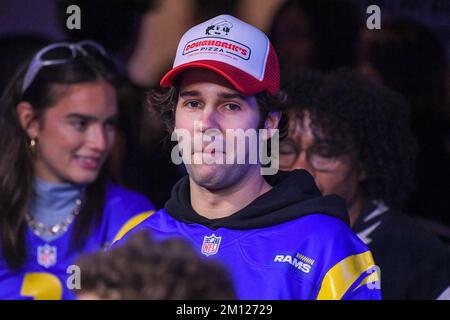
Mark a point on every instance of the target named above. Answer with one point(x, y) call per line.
point(48, 268)
point(315, 256)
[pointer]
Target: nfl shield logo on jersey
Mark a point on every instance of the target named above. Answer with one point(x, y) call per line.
point(210, 245)
point(46, 256)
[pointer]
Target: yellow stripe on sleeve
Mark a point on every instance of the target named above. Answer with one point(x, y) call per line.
point(343, 274)
point(130, 224)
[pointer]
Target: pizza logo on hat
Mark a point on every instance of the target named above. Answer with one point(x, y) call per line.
point(219, 27)
point(214, 42)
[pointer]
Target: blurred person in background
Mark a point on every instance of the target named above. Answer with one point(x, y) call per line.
point(58, 120)
point(319, 34)
point(408, 58)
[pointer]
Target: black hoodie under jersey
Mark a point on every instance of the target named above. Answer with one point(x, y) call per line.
point(293, 195)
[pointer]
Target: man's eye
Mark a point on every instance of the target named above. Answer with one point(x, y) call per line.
point(232, 107)
point(192, 104)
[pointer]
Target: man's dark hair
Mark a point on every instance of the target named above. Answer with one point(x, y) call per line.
point(144, 268)
point(350, 113)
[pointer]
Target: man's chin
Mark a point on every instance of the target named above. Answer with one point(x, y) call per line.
point(207, 176)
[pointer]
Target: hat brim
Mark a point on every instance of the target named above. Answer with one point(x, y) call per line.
point(243, 82)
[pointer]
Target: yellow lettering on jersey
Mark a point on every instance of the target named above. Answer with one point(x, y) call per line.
point(41, 286)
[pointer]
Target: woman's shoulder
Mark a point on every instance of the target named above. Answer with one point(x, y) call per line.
point(122, 204)
point(124, 209)
point(117, 195)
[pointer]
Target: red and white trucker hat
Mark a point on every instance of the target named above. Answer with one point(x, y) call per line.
point(236, 50)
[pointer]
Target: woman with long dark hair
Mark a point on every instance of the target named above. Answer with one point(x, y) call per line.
point(57, 128)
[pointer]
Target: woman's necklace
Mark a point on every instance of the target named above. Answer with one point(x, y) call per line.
point(40, 229)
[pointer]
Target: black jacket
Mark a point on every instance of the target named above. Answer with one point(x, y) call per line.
point(414, 264)
point(294, 194)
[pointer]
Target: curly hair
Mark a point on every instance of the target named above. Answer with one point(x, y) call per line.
point(351, 113)
point(144, 268)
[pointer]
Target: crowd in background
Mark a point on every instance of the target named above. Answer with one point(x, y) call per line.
point(314, 39)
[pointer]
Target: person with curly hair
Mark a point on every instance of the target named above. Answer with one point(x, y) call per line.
point(147, 269)
point(354, 137)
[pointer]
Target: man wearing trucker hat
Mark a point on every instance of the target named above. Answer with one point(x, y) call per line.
point(276, 234)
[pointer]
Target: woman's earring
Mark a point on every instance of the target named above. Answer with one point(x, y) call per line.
point(33, 145)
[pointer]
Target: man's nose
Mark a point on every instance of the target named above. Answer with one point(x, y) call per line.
point(210, 119)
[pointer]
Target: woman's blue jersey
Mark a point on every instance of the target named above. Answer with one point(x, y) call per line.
point(49, 271)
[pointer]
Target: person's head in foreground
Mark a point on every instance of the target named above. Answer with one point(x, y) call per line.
point(144, 268)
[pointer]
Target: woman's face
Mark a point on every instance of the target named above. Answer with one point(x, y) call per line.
point(76, 134)
point(339, 175)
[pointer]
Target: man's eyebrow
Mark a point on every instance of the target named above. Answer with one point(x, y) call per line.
point(221, 95)
point(190, 93)
point(234, 95)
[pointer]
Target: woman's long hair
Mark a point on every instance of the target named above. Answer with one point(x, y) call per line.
point(17, 160)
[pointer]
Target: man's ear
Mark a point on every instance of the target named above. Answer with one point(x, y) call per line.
point(271, 123)
point(28, 122)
